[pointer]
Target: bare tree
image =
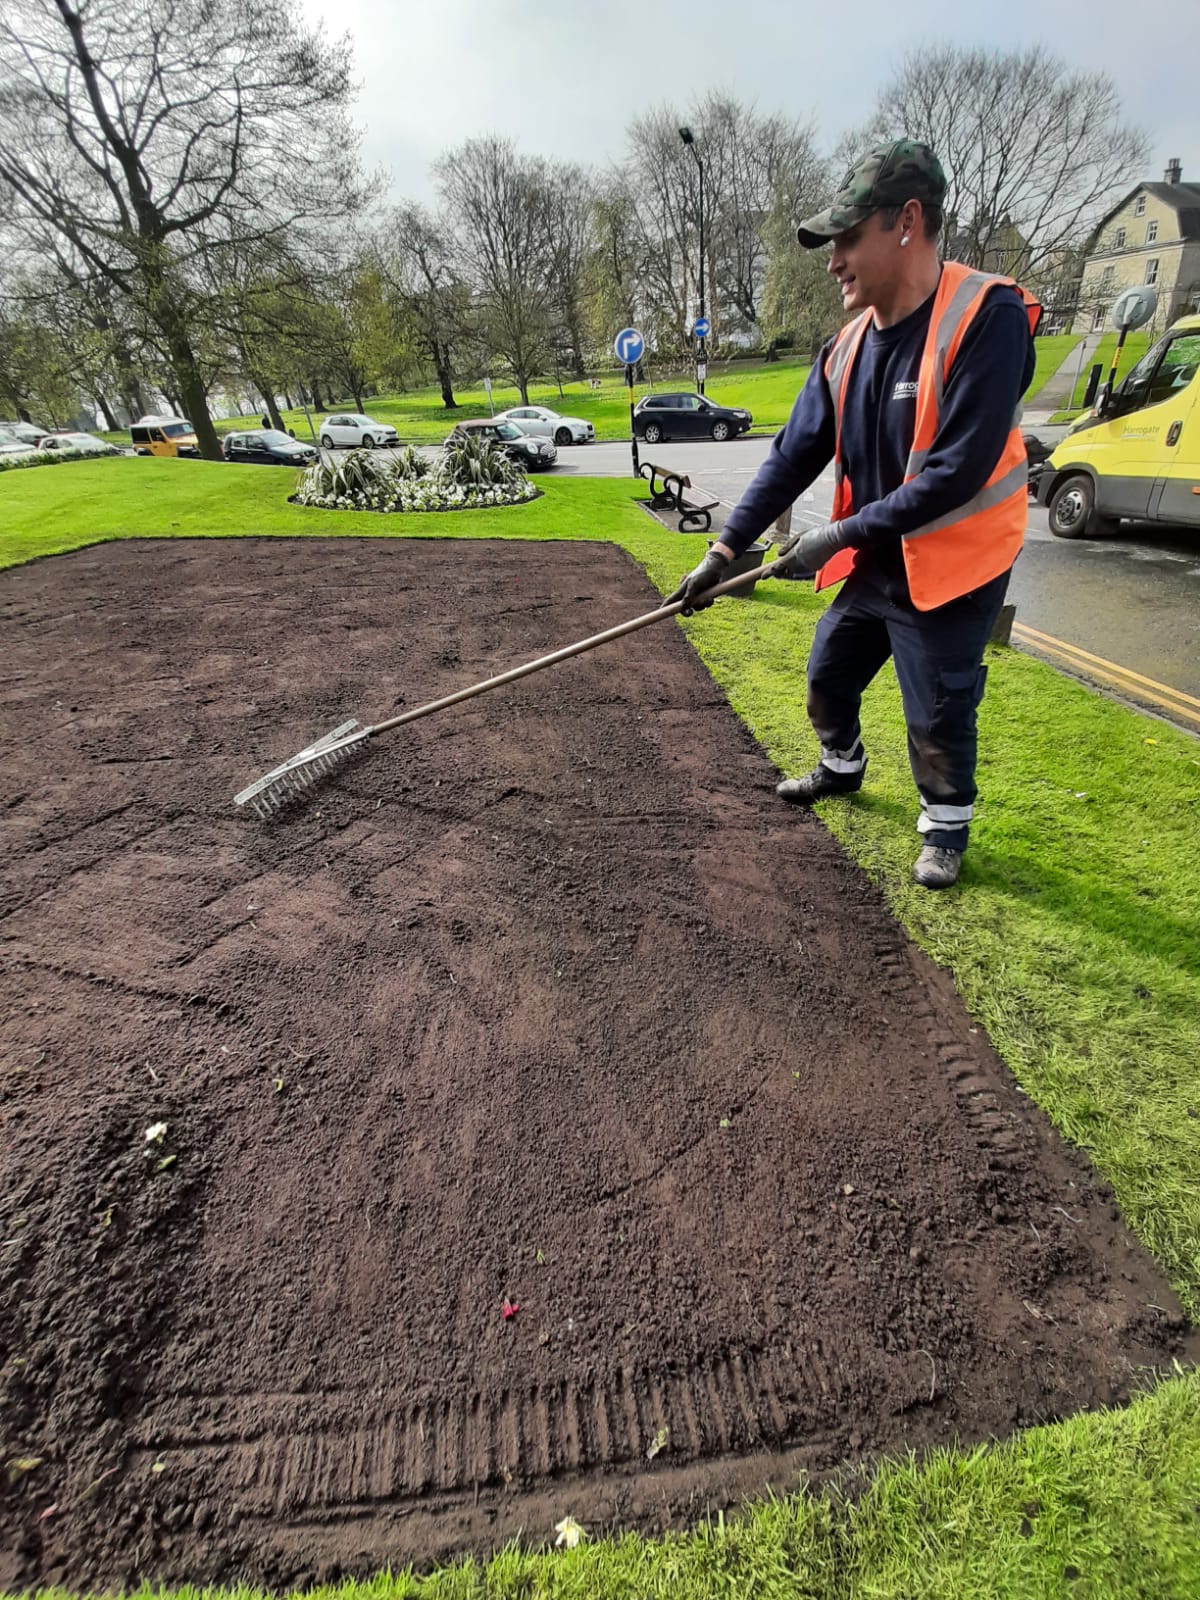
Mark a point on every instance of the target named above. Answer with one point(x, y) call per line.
point(147, 134)
point(416, 257)
point(1034, 153)
point(753, 163)
point(750, 161)
point(500, 205)
point(570, 193)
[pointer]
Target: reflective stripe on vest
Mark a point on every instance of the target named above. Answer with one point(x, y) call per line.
point(978, 541)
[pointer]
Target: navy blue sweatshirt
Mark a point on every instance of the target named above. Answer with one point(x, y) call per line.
point(991, 372)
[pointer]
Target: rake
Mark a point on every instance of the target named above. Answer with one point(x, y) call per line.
point(293, 778)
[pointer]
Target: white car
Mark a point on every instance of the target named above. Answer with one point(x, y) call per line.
point(77, 444)
point(352, 429)
point(547, 424)
point(11, 446)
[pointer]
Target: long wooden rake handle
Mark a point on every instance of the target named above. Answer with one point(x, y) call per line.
point(644, 621)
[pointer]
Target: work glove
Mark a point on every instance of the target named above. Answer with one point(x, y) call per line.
point(806, 553)
point(709, 572)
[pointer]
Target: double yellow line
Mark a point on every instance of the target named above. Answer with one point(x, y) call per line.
point(1172, 702)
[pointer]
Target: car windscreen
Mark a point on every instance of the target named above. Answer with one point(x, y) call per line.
point(272, 436)
point(175, 430)
point(508, 430)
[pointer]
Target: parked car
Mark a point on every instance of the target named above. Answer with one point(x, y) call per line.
point(531, 453)
point(352, 429)
point(687, 416)
point(76, 444)
point(269, 447)
point(11, 446)
point(164, 436)
point(23, 432)
point(547, 424)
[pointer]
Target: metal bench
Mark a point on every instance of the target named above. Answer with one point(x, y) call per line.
point(669, 492)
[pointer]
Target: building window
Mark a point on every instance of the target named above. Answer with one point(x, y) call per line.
point(1119, 239)
point(1106, 279)
point(1097, 321)
point(1152, 270)
point(1151, 232)
point(1139, 209)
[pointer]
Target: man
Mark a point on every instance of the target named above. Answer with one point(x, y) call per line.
point(916, 403)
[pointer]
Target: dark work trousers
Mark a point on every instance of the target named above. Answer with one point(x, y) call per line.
point(939, 663)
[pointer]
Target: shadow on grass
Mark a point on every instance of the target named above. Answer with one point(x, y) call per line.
point(1110, 912)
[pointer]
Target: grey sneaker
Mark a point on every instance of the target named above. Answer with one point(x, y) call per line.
point(821, 782)
point(937, 867)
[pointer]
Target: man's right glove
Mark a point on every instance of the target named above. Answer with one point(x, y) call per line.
point(691, 590)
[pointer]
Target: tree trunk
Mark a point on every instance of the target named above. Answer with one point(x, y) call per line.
point(772, 352)
point(133, 398)
point(358, 399)
point(318, 403)
point(287, 400)
point(578, 371)
point(272, 408)
point(110, 421)
point(441, 361)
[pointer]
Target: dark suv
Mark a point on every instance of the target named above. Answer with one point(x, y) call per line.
point(686, 416)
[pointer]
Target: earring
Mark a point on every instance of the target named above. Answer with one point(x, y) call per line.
point(903, 241)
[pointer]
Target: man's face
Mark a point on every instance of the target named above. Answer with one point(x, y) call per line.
point(865, 261)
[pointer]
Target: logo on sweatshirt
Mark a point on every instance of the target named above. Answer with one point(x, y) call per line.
point(904, 391)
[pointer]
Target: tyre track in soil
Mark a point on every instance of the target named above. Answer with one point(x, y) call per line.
point(546, 999)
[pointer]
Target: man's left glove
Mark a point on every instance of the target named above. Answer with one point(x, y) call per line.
point(806, 553)
point(691, 590)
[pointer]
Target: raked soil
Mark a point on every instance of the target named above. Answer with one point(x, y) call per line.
point(545, 1000)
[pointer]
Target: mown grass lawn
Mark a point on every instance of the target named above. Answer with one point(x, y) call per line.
point(1050, 352)
point(767, 390)
point(1075, 938)
point(1135, 347)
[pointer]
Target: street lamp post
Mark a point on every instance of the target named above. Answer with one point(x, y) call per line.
point(689, 139)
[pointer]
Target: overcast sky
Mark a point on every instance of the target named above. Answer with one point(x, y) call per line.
point(564, 77)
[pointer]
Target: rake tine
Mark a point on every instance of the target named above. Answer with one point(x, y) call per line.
point(299, 774)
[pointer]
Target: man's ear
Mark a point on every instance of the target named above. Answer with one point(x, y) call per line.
point(912, 218)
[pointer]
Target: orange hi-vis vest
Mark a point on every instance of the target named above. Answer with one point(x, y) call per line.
point(965, 548)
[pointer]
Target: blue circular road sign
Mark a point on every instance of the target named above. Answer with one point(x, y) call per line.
point(701, 327)
point(629, 346)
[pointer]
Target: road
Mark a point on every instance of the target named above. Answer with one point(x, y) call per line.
point(1123, 611)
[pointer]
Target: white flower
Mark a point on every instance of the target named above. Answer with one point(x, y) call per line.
point(156, 1133)
point(569, 1533)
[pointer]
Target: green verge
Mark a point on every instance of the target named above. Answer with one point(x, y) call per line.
point(1050, 352)
point(1075, 939)
point(767, 389)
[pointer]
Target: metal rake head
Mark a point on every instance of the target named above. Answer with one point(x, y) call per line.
point(296, 776)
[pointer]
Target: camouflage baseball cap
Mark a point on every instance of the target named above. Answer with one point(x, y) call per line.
point(888, 175)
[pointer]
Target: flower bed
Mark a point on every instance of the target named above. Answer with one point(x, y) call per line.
point(471, 474)
point(426, 494)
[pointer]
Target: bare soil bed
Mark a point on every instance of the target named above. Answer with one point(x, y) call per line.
point(546, 1000)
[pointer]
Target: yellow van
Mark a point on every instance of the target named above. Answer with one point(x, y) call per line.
point(1139, 455)
point(163, 436)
